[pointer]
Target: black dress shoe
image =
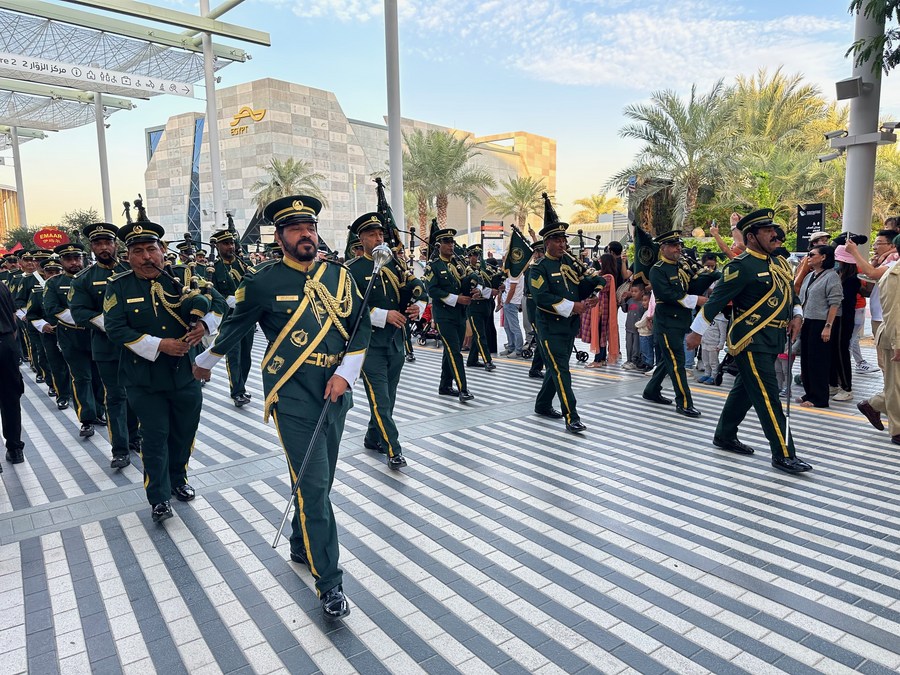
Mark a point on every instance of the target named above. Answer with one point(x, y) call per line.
point(687, 412)
point(732, 446)
point(39, 379)
point(790, 464)
point(119, 461)
point(15, 456)
point(871, 414)
point(551, 413)
point(396, 462)
point(410, 358)
point(477, 364)
point(490, 366)
point(374, 445)
point(536, 376)
point(444, 391)
point(99, 422)
point(161, 512)
point(299, 557)
point(51, 392)
point(247, 396)
point(335, 605)
point(62, 403)
point(135, 446)
point(464, 396)
point(87, 430)
point(576, 427)
point(239, 401)
point(659, 398)
point(183, 493)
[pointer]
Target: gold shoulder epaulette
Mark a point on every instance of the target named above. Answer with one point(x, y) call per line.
point(84, 271)
point(119, 275)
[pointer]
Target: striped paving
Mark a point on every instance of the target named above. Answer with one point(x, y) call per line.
point(506, 546)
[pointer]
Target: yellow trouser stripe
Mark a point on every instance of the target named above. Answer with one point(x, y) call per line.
point(484, 357)
point(77, 400)
point(675, 369)
point(559, 381)
point(765, 395)
point(452, 363)
point(312, 566)
point(371, 393)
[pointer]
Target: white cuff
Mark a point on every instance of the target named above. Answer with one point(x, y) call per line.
point(699, 324)
point(798, 311)
point(99, 322)
point(231, 301)
point(351, 366)
point(21, 314)
point(451, 300)
point(39, 324)
point(207, 360)
point(66, 315)
point(689, 301)
point(146, 346)
point(485, 292)
point(564, 307)
point(211, 321)
point(379, 317)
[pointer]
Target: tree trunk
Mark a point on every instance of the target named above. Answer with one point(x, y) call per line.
point(423, 217)
point(441, 201)
point(690, 203)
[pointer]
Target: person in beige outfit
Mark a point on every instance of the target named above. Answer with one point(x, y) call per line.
point(887, 341)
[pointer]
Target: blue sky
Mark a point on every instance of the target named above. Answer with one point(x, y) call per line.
point(563, 69)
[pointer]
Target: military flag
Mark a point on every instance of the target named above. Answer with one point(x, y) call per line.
point(517, 254)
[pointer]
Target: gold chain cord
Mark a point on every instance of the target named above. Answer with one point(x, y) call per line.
point(156, 290)
point(337, 309)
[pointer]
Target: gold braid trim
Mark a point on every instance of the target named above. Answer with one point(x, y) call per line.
point(337, 308)
point(393, 280)
point(156, 290)
point(570, 274)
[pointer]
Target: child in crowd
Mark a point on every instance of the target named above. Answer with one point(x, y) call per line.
point(633, 306)
point(712, 342)
point(644, 327)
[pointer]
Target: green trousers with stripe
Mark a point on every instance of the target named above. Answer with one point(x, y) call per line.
point(87, 389)
point(60, 379)
point(556, 351)
point(313, 527)
point(453, 331)
point(756, 385)
point(671, 345)
point(381, 375)
point(479, 312)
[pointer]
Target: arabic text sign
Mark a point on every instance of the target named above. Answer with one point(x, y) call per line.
point(107, 78)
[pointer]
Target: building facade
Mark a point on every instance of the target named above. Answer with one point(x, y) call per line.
point(9, 210)
point(271, 118)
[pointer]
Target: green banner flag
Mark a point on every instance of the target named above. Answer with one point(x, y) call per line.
point(517, 255)
point(645, 253)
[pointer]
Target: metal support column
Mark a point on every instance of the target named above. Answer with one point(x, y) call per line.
point(212, 128)
point(859, 182)
point(395, 136)
point(20, 189)
point(104, 164)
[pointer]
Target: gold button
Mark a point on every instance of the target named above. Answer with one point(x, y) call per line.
point(163, 327)
point(135, 311)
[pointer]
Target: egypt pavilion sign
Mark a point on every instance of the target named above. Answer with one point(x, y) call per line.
point(246, 112)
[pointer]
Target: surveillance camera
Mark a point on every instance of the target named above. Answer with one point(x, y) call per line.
point(890, 126)
point(830, 156)
point(840, 133)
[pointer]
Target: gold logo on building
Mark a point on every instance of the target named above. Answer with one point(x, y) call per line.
point(246, 112)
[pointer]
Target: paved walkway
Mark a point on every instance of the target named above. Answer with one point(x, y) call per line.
point(506, 546)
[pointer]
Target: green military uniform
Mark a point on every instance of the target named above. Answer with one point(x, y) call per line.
point(385, 354)
point(306, 316)
point(761, 288)
point(138, 314)
point(36, 354)
point(226, 278)
point(34, 315)
point(446, 279)
point(86, 294)
point(74, 342)
point(12, 282)
point(479, 313)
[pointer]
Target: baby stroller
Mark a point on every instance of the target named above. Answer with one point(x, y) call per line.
point(528, 351)
point(424, 329)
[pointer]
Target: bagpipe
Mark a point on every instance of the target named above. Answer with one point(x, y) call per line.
point(699, 277)
point(469, 278)
point(409, 288)
point(585, 277)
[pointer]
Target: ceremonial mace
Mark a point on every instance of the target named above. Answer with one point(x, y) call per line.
point(381, 255)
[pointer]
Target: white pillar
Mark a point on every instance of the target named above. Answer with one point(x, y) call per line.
point(469, 241)
point(20, 189)
point(212, 128)
point(859, 183)
point(395, 136)
point(104, 164)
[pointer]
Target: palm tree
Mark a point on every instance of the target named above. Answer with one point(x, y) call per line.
point(687, 145)
point(439, 167)
point(521, 198)
point(285, 178)
point(593, 207)
point(416, 177)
